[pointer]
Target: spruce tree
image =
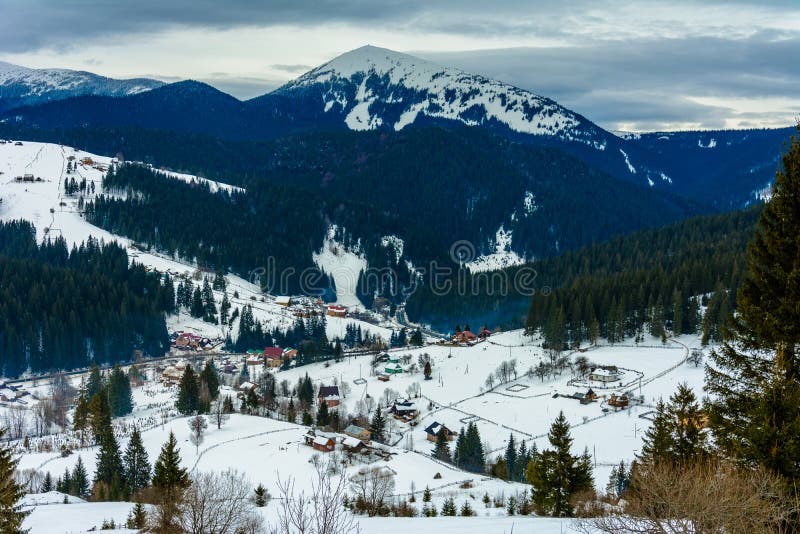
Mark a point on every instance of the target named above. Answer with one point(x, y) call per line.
point(47, 483)
point(109, 472)
point(323, 416)
point(657, 441)
point(689, 441)
point(378, 426)
point(11, 513)
point(188, 392)
point(136, 464)
point(120, 396)
point(441, 450)
point(210, 377)
point(168, 475)
point(754, 384)
point(80, 480)
point(511, 456)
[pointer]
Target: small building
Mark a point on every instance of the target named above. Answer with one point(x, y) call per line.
point(433, 430)
point(484, 333)
point(329, 395)
point(273, 356)
point(604, 374)
point(383, 377)
point(404, 409)
point(334, 310)
point(464, 337)
point(323, 443)
point(247, 387)
point(393, 369)
point(357, 432)
point(283, 301)
point(173, 374)
point(353, 445)
point(619, 401)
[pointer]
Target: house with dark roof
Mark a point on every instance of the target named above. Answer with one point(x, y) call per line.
point(329, 395)
point(433, 430)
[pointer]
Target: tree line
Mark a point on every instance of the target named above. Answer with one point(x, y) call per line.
point(62, 308)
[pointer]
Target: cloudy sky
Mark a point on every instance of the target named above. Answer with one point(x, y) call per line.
point(631, 65)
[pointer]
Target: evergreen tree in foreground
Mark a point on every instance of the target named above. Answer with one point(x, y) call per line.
point(11, 513)
point(136, 464)
point(556, 475)
point(754, 384)
point(109, 476)
point(79, 481)
point(168, 475)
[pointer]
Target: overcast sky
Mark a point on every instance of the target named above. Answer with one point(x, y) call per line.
point(623, 64)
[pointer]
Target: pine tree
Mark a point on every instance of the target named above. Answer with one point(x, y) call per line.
point(169, 480)
point(109, 472)
point(11, 513)
point(100, 414)
point(511, 456)
point(210, 377)
point(556, 475)
point(441, 450)
point(449, 507)
point(378, 426)
point(136, 464)
point(137, 518)
point(260, 497)
point(169, 477)
point(688, 435)
point(120, 396)
point(188, 393)
point(291, 413)
point(323, 416)
point(95, 382)
point(657, 441)
point(47, 483)
point(79, 481)
point(754, 383)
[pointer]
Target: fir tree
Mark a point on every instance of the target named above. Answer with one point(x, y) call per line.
point(657, 441)
point(689, 441)
point(169, 477)
point(755, 380)
point(188, 392)
point(378, 426)
point(11, 492)
point(261, 495)
point(136, 464)
point(79, 482)
point(210, 377)
point(511, 456)
point(120, 396)
point(449, 507)
point(323, 416)
point(441, 450)
point(109, 472)
point(95, 382)
point(137, 518)
point(47, 483)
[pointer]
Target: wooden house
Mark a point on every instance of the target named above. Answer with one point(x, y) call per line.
point(433, 430)
point(335, 310)
point(357, 432)
point(329, 395)
point(619, 401)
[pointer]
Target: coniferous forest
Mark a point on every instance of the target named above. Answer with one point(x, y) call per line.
point(63, 308)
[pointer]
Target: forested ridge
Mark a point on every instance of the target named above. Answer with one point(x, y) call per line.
point(611, 289)
point(62, 308)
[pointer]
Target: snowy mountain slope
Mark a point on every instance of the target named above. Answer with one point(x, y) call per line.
point(21, 86)
point(378, 88)
point(55, 214)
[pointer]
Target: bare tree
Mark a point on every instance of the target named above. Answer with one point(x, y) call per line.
point(218, 503)
point(344, 387)
point(414, 390)
point(321, 512)
point(217, 415)
point(197, 428)
point(16, 421)
point(696, 357)
point(372, 486)
point(388, 396)
point(706, 497)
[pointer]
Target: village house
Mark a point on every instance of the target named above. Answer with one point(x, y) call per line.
point(357, 432)
point(273, 356)
point(585, 398)
point(484, 333)
point(283, 301)
point(353, 445)
point(172, 374)
point(393, 369)
point(404, 409)
point(9, 393)
point(619, 401)
point(321, 442)
point(329, 395)
point(603, 374)
point(464, 337)
point(433, 430)
point(335, 310)
point(246, 387)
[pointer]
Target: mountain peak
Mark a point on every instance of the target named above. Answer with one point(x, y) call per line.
point(375, 88)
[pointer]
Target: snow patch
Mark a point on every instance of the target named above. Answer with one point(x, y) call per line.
point(343, 265)
point(631, 168)
point(502, 257)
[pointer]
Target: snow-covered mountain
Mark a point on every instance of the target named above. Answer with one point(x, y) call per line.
point(375, 88)
point(20, 86)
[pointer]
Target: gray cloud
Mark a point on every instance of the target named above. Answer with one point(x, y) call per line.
point(292, 69)
point(646, 82)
